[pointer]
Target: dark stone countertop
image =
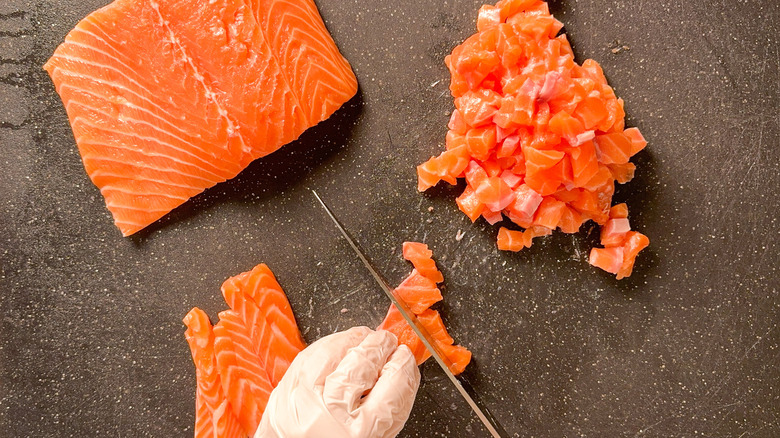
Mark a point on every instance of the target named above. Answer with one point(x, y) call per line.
point(91, 341)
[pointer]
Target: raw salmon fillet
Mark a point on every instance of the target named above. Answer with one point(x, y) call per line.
point(419, 292)
point(169, 97)
point(241, 359)
point(539, 139)
point(213, 414)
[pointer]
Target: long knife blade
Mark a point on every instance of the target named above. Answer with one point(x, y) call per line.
point(461, 385)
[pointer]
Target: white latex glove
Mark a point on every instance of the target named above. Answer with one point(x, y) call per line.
point(322, 393)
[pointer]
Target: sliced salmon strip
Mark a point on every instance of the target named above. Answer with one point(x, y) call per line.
point(247, 385)
point(213, 416)
point(244, 356)
point(257, 298)
point(419, 293)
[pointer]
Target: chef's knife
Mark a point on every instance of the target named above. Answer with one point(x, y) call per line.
point(461, 384)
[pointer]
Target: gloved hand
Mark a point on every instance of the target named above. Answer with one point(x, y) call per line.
point(354, 384)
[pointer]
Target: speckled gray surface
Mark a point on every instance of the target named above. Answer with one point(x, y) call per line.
point(91, 341)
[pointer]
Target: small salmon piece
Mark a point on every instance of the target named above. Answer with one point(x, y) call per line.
point(511, 179)
point(542, 119)
point(432, 322)
point(571, 220)
point(508, 146)
point(567, 196)
point(452, 140)
point(566, 126)
point(614, 231)
point(526, 203)
point(422, 259)
point(492, 167)
point(593, 70)
point(638, 141)
point(489, 16)
point(451, 164)
point(537, 25)
point(502, 133)
point(504, 117)
point(519, 167)
point(602, 177)
point(635, 242)
point(586, 202)
point(550, 85)
point(475, 174)
point(481, 141)
point(495, 194)
point(511, 7)
point(458, 356)
point(608, 259)
point(457, 123)
point(525, 102)
point(469, 204)
point(615, 122)
point(427, 175)
point(618, 211)
point(472, 64)
point(510, 240)
point(478, 107)
point(545, 182)
point(622, 173)
point(614, 148)
point(582, 138)
point(549, 213)
point(538, 160)
point(507, 163)
point(591, 111)
point(584, 164)
point(418, 291)
point(492, 217)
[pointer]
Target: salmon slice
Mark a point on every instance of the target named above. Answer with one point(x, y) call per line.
point(213, 415)
point(263, 307)
point(244, 356)
point(167, 98)
point(420, 293)
point(247, 385)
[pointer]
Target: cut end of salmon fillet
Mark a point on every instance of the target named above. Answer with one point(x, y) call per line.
point(167, 98)
point(539, 138)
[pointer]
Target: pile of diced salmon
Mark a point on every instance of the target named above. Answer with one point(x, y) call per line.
point(539, 139)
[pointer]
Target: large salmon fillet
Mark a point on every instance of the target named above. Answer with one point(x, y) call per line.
point(167, 98)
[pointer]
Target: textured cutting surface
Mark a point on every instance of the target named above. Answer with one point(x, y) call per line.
point(91, 340)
